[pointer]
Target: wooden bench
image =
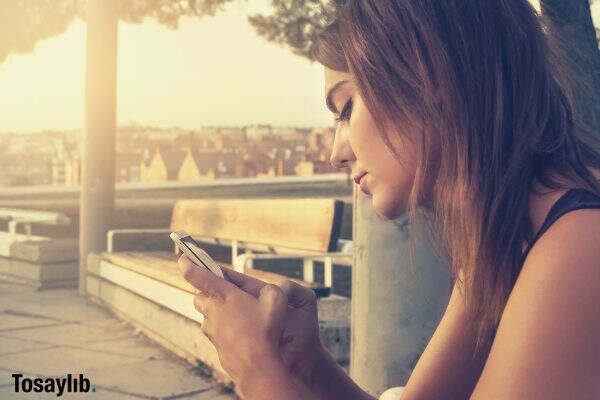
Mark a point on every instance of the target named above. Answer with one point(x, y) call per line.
point(306, 229)
point(139, 280)
point(33, 260)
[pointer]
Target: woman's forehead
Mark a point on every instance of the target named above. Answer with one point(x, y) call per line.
point(332, 77)
point(335, 82)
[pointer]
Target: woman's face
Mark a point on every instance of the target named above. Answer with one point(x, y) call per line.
point(359, 146)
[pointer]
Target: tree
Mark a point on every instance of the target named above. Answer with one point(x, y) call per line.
point(571, 22)
point(598, 27)
point(295, 23)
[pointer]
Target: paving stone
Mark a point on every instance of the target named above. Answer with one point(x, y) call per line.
point(65, 334)
point(138, 347)
point(13, 288)
point(18, 300)
point(212, 394)
point(151, 378)
point(64, 309)
point(10, 345)
point(8, 322)
point(102, 394)
point(110, 322)
point(5, 377)
point(28, 293)
point(8, 392)
point(60, 361)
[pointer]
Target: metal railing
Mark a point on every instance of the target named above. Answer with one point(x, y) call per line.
point(26, 218)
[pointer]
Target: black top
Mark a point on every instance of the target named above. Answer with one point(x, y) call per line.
point(573, 199)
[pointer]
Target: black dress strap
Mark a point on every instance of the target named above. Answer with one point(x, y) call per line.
point(573, 199)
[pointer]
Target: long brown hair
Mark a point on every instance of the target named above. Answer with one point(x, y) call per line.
point(481, 83)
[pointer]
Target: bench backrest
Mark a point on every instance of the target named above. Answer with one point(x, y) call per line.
point(302, 224)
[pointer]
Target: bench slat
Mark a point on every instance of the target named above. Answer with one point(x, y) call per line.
point(162, 266)
point(303, 224)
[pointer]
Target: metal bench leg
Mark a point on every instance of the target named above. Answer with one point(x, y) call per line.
point(249, 262)
point(328, 271)
point(309, 275)
point(234, 250)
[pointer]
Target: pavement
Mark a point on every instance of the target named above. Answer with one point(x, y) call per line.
point(49, 334)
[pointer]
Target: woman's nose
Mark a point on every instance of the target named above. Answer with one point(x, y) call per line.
point(341, 154)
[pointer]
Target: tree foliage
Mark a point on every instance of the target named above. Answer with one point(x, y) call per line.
point(571, 23)
point(23, 23)
point(295, 23)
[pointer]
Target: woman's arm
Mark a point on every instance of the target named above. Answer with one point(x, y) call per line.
point(446, 370)
point(271, 380)
point(327, 381)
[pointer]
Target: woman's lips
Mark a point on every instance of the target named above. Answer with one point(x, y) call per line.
point(363, 186)
point(358, 178)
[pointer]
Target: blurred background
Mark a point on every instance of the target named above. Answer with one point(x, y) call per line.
point(114, 112)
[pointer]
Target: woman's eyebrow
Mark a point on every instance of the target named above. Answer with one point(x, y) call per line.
point(329, 99)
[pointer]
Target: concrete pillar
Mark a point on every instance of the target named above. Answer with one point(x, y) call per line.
point(395, 306)
point(98, 172)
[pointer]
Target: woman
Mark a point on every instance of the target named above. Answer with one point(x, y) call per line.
point(457, 107)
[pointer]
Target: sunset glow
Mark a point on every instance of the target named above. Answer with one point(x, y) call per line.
point(214, 71)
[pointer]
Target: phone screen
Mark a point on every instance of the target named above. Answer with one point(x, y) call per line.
point(187, 241)
point(191, 248)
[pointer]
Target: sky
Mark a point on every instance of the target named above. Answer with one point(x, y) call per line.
point(213, 71)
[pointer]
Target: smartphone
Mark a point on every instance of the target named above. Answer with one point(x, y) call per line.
point(192, 250)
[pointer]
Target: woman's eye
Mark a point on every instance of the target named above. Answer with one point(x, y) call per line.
point(346, 111)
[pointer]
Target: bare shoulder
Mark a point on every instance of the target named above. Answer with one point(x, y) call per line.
point(547, 345)
point(573, 236)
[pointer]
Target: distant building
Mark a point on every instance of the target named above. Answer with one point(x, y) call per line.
point(314, 167)
point(223, 143)
point(128, 167)
point(234, 133)
point(163, 166)
point(317, 153)
point(245, 169)
point(288, 133)
point(304, 168)
point(254, 132)
point(58, 171)
point(73, 171)
point(198, 166)
point(321, 140)
point(66, 163)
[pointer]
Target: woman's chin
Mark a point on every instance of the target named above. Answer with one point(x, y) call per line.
point(386, 209)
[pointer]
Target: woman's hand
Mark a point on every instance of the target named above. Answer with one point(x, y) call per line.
point(252, 323)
